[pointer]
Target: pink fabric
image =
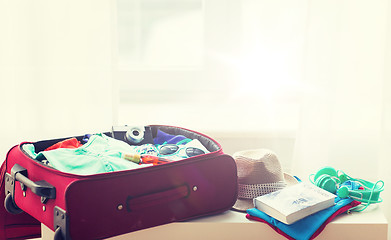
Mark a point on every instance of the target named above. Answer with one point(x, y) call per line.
point(67, 143)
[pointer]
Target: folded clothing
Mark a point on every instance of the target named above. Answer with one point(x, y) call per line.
point(100, 154)
point(306, 228)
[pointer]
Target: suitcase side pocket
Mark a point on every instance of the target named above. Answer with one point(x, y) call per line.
point(112, 204)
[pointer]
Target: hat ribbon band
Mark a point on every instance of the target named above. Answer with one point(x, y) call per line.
point(251, 191)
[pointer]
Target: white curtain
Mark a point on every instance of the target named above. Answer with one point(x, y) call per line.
point(55, 69)
point(57, 77)
point(345, 118)
point(332, 59)
point(319, 69)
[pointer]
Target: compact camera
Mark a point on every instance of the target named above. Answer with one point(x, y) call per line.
point(133, 135)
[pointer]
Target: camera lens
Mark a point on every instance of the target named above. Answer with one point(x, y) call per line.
point(134, 135)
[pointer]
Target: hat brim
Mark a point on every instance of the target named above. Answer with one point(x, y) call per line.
point(242, 204)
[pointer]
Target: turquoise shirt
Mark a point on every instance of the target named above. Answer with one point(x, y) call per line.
point(99, 155)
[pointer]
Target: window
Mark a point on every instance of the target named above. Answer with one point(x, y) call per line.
point(156, 35)
point(221, 65)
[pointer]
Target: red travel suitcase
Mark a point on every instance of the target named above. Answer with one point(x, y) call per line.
point(108, 204)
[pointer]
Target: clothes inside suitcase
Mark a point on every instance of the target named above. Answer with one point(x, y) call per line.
point(96, 206)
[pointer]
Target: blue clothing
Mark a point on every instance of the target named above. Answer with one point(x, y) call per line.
point(162, 138)
point(86, 138)
point(306, 227)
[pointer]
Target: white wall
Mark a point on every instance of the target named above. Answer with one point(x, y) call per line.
point(55, 69)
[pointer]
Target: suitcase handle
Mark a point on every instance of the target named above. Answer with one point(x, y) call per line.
point(156, 198)
point(41, 188)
